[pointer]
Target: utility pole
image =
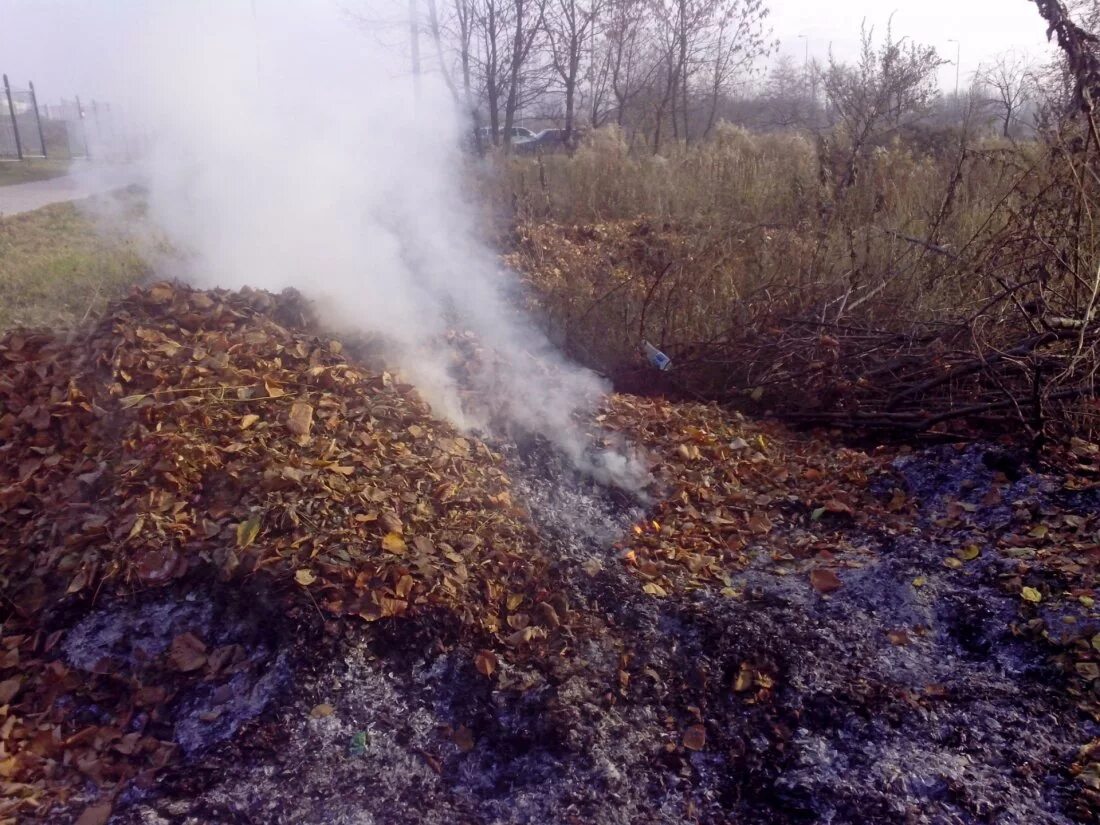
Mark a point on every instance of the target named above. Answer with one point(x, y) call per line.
point(958, 55)
point(83, 128)
point(38, 119)
point(811, 76)
point(14, 124)
point(414, 42)
point(256, 40)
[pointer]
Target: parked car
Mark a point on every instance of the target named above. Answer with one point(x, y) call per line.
point(548, 140)
point(519, 135)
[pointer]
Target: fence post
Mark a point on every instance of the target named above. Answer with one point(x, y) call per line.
point(38, 120)
point(83, 128)
point(14, 124)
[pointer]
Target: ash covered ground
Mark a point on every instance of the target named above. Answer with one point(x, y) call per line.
point(881, 702)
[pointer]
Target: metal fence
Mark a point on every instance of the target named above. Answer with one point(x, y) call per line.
point(66, 122)
point(68, 129)
point(21, 133)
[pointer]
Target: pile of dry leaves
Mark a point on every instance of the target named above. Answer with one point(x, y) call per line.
point(195, 437)
point(732, 486)
point(190, 435)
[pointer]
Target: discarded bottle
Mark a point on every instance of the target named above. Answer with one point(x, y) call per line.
point(657, 358)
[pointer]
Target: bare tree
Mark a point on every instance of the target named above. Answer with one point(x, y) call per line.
point(737, 37)
point(650, 64)
point(702, 46)
point(787, 104)
point(569, 26)
point(464, 33)
point(597, 77)
point(527, 20)
point(1010, 81)
point(628, 40)
point(891, 86)
point(491, 25)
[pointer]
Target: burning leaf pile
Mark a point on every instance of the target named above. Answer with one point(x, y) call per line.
point(191, 437)
point(782, 594)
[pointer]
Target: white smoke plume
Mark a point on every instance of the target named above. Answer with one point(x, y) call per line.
point(289, 150)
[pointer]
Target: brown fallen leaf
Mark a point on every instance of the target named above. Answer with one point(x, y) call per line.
point(187, 652)
point(898, 637)
point(158, 565)
point(1039, 531)
point(695, 738)
point(247, 531)
point(305, 577)
point(824, 581)
point(321, 711)
point(486, 662)
point(9, 688)
point(391, 523)
point(97, 814)
point(160, 293)
point(1088, 670)
point(393, 543)
point(760, 524)
point(744, 679)
point(463, 737)
point(300, 419)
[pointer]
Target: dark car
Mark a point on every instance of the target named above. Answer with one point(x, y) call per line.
point(548, 140)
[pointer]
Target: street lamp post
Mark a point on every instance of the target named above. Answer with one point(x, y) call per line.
point(809, 75)
point(958, 54)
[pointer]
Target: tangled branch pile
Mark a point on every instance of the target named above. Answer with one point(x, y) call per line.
point(1001, 333)
point(863, 277)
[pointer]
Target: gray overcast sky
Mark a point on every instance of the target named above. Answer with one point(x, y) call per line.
point(72, 46)
point(982, 27)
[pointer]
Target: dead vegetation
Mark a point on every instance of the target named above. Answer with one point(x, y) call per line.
point(929, 289)
point(872, 277)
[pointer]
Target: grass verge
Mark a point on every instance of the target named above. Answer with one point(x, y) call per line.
point(26, 171)
point(58, 266)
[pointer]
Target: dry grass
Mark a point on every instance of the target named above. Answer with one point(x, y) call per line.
point(58, 267)
point(26, 171)
point(762, 223)
point(801, 272)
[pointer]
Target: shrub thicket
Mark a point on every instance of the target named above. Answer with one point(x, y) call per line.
point(891, 282)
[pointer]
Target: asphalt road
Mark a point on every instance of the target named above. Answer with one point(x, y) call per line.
point(83, 183)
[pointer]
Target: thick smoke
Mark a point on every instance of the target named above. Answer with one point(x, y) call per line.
point(289, 150)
